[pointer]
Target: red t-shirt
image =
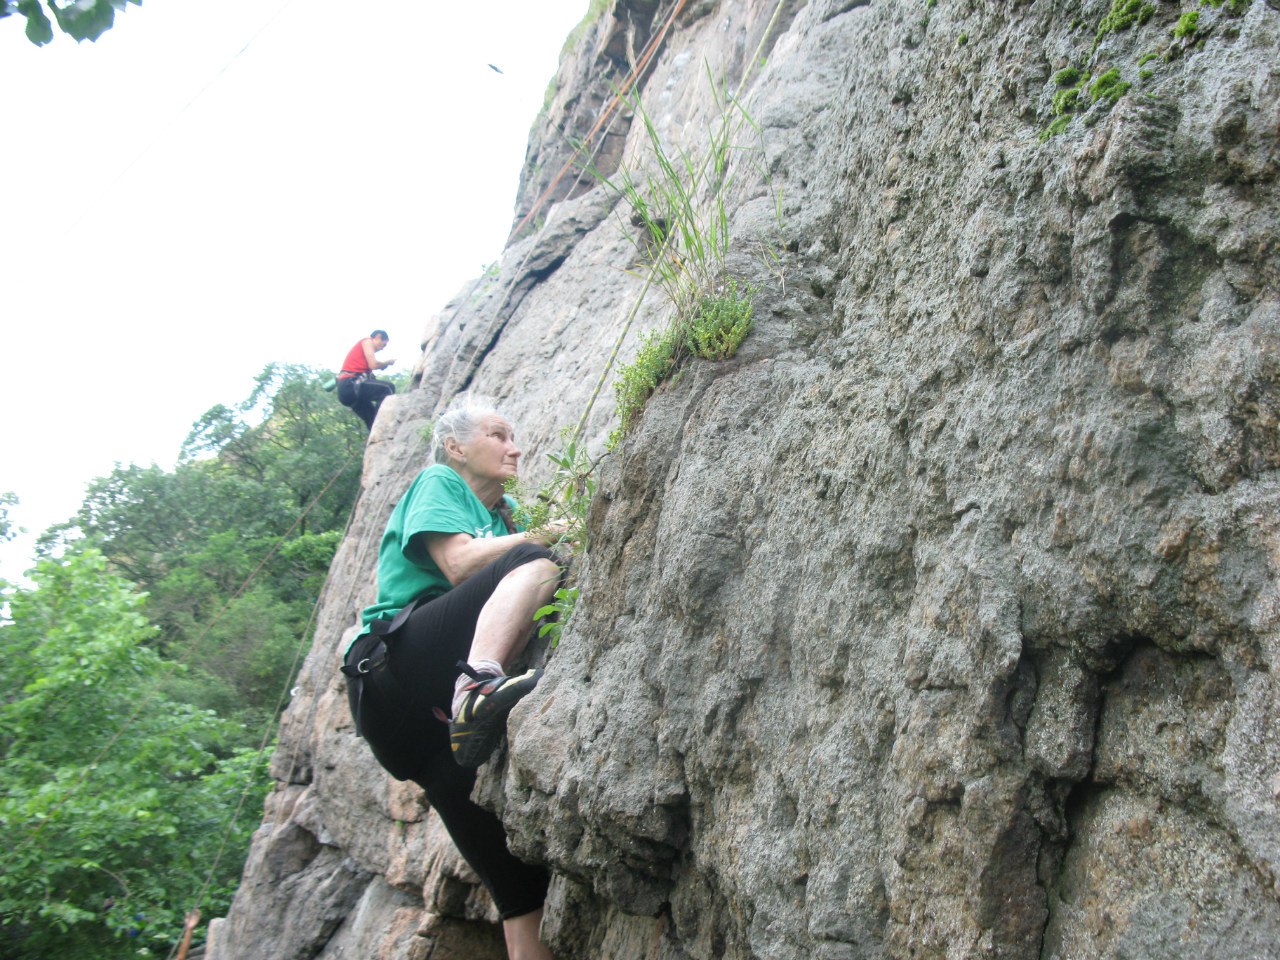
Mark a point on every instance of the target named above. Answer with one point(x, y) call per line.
point(355, 362)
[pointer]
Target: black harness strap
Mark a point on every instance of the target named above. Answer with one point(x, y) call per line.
point(377, 655)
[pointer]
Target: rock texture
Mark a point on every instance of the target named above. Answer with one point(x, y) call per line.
point(943, 621)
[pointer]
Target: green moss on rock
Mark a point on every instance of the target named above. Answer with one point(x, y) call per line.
point(1109, 86)
point(1187, 24)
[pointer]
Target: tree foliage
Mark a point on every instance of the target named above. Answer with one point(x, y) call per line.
point(114, 798)
point(7, 529)
point(81, 19)
point(129, 721)
point(233, 544)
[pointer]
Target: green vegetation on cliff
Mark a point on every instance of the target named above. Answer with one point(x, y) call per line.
point(1105, 82)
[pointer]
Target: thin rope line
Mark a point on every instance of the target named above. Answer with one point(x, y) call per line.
point(633, 76)
point(649, 280)
point(92, 204)
point(646, 55)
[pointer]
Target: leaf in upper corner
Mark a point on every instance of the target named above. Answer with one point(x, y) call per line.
point(85, 19)
point(39, 29)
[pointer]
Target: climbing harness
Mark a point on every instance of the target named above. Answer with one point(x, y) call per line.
point(372, 656)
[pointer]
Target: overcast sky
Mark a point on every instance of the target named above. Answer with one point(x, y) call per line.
point(217, 184)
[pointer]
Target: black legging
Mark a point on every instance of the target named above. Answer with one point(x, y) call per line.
point(364, 397)
point(413, 744)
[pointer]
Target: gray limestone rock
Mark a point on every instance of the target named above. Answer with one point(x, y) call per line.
point(943, 620)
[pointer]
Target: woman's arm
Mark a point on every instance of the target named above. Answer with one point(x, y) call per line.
point(459, 555)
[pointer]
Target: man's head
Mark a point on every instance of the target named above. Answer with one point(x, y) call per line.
point(379, 338)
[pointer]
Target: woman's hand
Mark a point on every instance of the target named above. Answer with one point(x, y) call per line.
point(550, 533)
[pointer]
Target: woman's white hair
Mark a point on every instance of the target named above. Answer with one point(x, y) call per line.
point(460, 422)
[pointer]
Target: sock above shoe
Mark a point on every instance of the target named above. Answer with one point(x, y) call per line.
point(479, 668)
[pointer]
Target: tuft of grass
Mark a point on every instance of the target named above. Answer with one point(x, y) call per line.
point(684, 240)
point(1187, 24)
point(1066, 102)
point(1055, 128)
point(1123, 15)
point(715, 331)
point(1068, 77)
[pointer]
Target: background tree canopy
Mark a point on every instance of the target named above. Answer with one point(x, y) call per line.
point(146, 663)
point(233, 544)
point(115, 798)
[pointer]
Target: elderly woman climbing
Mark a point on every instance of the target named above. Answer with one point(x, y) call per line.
point(458, 585)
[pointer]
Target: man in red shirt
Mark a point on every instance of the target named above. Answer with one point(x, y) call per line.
point(358, 388)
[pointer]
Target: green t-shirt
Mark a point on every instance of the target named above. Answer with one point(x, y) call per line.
point(438, 501)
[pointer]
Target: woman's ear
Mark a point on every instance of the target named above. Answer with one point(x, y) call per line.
point(454, 449)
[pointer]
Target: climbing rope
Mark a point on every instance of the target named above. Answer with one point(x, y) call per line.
point(666, 241)
point(609, 115)
point(645, 56)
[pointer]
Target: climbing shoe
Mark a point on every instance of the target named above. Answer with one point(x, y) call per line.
point(478, 725)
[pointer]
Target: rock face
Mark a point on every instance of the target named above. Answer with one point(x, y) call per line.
point(941, 621)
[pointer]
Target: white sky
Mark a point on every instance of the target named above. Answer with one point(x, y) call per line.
point(178, 209)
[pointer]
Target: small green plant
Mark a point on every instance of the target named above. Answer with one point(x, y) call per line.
point(1068, 77)
point(1055, 128)
point(557, 511)
point(962, 40)
point(555, 615)
point(714, 332)
point(1147, 58)
point(1187, 24)
point(654, 363)
point(1123, 15)
point(684, 239)
point(1066, 101)
point(1071, 82)
point(722, 322)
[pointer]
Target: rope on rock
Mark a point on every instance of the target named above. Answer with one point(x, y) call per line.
point(608, 114)
point(649, 280)
point(645, 56)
